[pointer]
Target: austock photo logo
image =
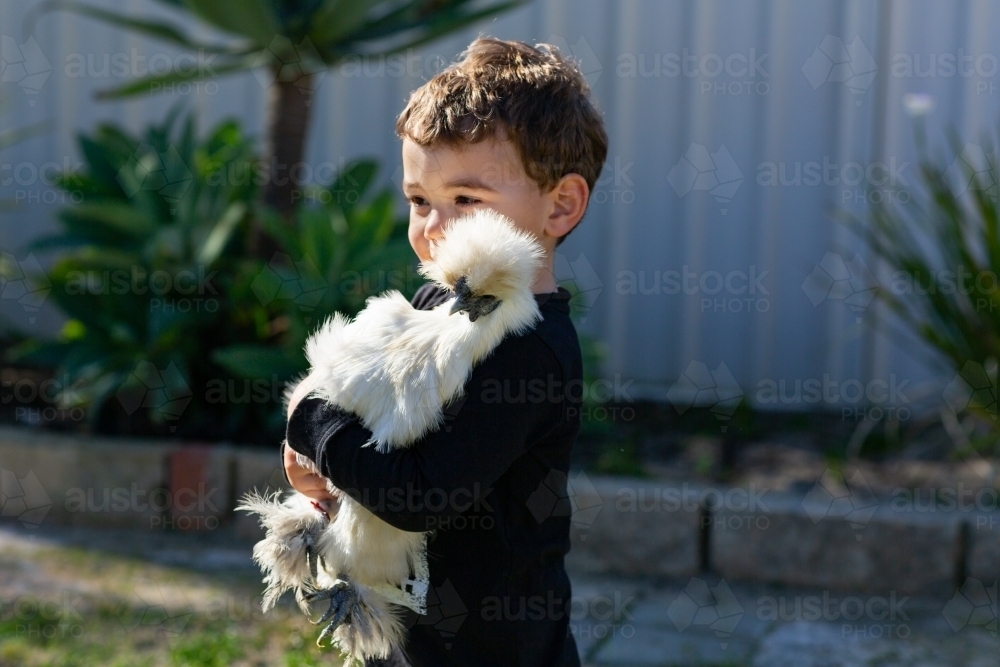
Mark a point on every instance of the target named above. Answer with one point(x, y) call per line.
point(721, 74)
point(445, 611)
point(614, 185)
point(580, 278)
point(982, 67)
point(870, 616)
point(23, 282)
point(973, 605)
point(41, 398)
point(857, 181)
point(283, 61)
point(430, 397)
point(852, 283)
point(572, 495)
point(285, 279)
point(700, 386)
point(23, 498)
point(735, 291)
point(834, 497)
point(701, 170)
point(975, 385)
point(857, 400)
point(607, 614)
point(149, 170)
point(973, 168)
point(581, 52)
point(163, 391)
point(39, 183)
point(188, 289)
point(24, 65)
point(414, 64)
point(190, 507)
point(450, 411)
point(834, 279)
point(162, 607)
point(192, 72)
point(720, 508)
point(43, 617)
point(711, 607)
point(833, 61)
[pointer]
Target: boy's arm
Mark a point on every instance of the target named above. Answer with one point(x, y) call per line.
point(512, 399)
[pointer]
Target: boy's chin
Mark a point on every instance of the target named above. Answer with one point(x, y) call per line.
point(423, 255)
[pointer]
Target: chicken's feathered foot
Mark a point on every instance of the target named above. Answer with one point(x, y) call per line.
point(343, 600)
point(373, 629)
point(289, 553)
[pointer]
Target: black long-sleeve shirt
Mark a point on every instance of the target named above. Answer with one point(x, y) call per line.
point(491, 485)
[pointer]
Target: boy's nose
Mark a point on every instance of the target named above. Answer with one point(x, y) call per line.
point(435, 225)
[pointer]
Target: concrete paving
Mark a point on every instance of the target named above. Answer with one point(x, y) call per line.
point(706, 620)
point(642, 622)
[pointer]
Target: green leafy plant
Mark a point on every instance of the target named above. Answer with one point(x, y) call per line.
point(942, 250)
point(174, 326)
point(295, 40)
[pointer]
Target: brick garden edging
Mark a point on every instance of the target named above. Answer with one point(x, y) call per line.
point(621, 525)
point(130, 483)
point(637, 527)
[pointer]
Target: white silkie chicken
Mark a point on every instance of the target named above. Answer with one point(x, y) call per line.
point(395, 367)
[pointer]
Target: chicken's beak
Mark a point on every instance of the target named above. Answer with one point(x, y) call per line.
point(463, 299)
point(462, 303)
point(475, 306)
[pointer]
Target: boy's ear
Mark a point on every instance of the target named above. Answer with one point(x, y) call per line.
point(568, 203)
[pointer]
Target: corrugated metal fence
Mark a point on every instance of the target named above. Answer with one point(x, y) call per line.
point(708, 251)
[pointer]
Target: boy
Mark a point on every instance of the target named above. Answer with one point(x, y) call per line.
point(512, 128)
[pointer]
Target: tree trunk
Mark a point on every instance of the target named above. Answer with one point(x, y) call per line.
point(288, 124)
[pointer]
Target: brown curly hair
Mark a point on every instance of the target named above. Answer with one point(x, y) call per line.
point(531, 95)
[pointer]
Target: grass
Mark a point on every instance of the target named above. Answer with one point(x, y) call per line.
point(77, 608)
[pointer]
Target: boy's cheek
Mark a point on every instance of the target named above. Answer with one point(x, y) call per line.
point(419, 243)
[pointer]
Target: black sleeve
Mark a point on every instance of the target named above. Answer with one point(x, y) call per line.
point(429, 295)
point(512, 399)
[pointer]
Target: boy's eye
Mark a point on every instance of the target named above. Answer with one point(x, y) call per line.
point(461, 200)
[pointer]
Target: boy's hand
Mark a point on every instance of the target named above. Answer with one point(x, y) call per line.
point(307, 482)
point(301, 478)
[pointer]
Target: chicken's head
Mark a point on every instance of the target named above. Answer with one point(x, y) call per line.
point(485, 259)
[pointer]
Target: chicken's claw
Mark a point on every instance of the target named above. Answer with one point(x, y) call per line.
point(343, 598)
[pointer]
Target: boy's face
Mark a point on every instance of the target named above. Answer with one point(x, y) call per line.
point(444, 182)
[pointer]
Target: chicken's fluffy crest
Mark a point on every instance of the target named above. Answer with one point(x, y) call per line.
point(487, 248)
